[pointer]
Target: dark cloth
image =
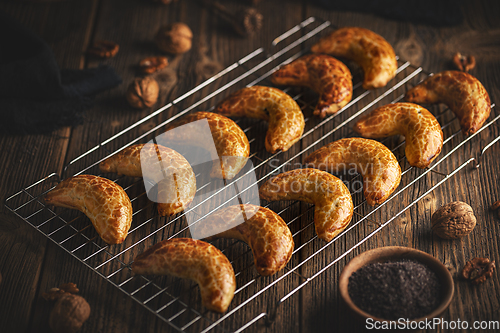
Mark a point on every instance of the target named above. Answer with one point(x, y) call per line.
point(35, 95)
point(433, 12)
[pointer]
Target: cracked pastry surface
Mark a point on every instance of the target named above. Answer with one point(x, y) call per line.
point(329, 77)
point(286, 121)
point(365, 47)
point(263, 230)
point(231, 143)
point(374, 161)
point(160, 165)
point(333, 203)
point(103, 201)
point(192, 259)
point(422, 132)
point(461, 92)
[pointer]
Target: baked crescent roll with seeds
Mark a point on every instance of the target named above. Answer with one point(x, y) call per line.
point(423, 134)
point(330, 78)
point(286, 121)
point(374, 161)
point(103, 201)
point(231, 143)
point(333, 203)
point(161, 165)
point(192, 259)
point(461, 92)
point(368, 49)
point(263, 230)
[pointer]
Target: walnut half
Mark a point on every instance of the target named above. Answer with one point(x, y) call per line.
point(478, 270)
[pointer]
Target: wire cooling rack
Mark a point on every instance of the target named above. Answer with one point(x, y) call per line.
point(177, 301)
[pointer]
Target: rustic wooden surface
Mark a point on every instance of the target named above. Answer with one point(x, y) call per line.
point(31, 264)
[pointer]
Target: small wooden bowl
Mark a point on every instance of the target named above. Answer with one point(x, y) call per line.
point(395, 253)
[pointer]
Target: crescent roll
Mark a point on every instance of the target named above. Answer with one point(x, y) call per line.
point(461, 92)
point(164, 166)
point(103, 201)
point(263, 230)
point(231, 143)
point(423, 134)
point(374, 161)
point(330, 78)
point(368, 49)
point(286, 121)
point(192, 259)
point(333, 203)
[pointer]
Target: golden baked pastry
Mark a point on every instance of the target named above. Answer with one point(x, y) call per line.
point(374, 161)
point(103, 201)
point(231, 143)
point(461, 92)
point(329, 77)
point(192, 259)
point(368, 49)
point(423, 134)
point(263, 230)
point(333, 203)
point(174, 176)
point(286, 121)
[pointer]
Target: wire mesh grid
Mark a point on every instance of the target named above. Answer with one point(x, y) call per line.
point(177, 301)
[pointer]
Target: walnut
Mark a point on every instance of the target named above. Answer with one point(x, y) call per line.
point(478, 270)
point(143, 92)
point(453, 220)
point(464, 63)
point(174, 38)
point(152, 64)
point(69, 314)
point(103, 49)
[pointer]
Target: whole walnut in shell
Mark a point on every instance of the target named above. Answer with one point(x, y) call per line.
point(454, 220)
point(69, 314)
point(143, 92)
point(175, 38)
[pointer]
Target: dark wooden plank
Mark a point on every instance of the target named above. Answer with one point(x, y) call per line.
point(133, 24)
point(432, 48)
point(213, 49)
point(26, 159)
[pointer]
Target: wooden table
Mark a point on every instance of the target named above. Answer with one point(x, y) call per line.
point(31, 264)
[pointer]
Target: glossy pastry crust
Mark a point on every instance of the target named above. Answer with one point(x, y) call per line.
point(230, 142)
point(423, 134)
point(368, 49)
point(461, 92)
point(192, 259)
point(374, 161)
point(330, 78)
point(333, 203)
point(174, 175)
point(286, 121)
point(263, 230)
point(103, 201)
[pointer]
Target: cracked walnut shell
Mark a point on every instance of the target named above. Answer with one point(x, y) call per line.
point(454, 220)
point(150, 65)
point(143, 92)
point(175, 38)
